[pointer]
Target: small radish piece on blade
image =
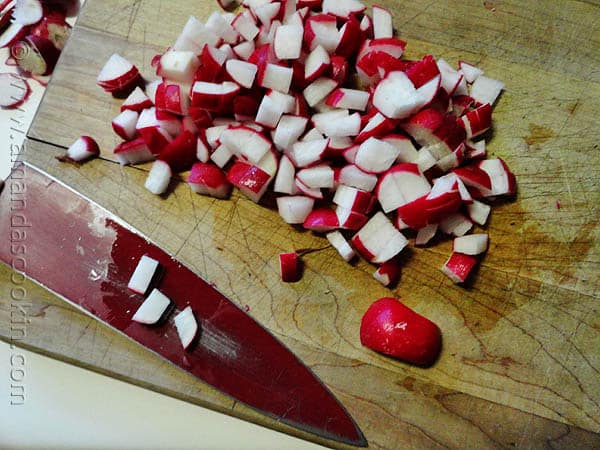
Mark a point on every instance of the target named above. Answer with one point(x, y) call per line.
point(458, 267)
point(153, 309)
point(391, 328)
point(290, 267)
point(472, 244)
point(82, 149)
point(337, 240)
point(14, 90)
point(187, 326)
point(143, 275)
point(158, 178)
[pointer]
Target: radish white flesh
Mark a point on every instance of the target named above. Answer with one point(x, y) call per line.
point(27, 12)
point(158, 178)
point(276, 77)
point(305, 153)
point(317, 177)
point(125, 124)
point(269, 112)
point(133, 152)
point(478, 212)
point(343, 8)
point(242, 72)
point(153, 308)
point(353, 199)
point(187, 327)
point(83, 148)
point(316, 63)
point(245, 25)
point(318, 90)
point(355, 177)
point(137, 100)
point(14, 90)
point(456, 224)
point(425, 234)
point(341, 126)
point(285, 179)
point(396, 96)
point(376, 156)
point(379, 241)
point(472, 244)
point(337, 240)
point(400, 185)
point(470, 72)
point(193, 37)
point(288, 41)
point(294, 209)
point(143, 275)
point(221, 156)
point(382, 23)
point(349, 99)
point(288, 130)
point(486, 90)
point(246, 142)
point(177, 65)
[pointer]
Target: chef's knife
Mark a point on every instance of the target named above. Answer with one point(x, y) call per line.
point(85, 255)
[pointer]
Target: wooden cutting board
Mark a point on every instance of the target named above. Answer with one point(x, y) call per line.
point(521, 359)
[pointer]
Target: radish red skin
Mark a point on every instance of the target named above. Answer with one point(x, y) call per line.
point(391, 328)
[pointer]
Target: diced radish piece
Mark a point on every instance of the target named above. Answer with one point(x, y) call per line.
point(137, 100)
point(290, 267)
point(245, 25)
point(168, 122)
point(400, 185)
point(288, 41)
point(14, 90)
point(194, 36)
point(221, 28)
point(470, 72)
point(82, 149)
point(151, 91)
point(276, 77)
point(354, 199)
point(316, 63)
point(246, 142)
point(213, 135)
point(450, 77)
point(502, 179)
point(475, 150)
point(337, 240)
point(214, 96)
point(133, 152)
point(125, 124)
point(431, 127)
point(343, 8)
point(378, 241)
point(312, 135)
point(153, 309)
point(203, 150)
point(221, 156)
point(396, 96)
point(294, 209)
point(143, 275)
point(393, 329)
point(382, 23)
point(251, 180)
point(404, 145)
point(486, 90)
point(377, 126)
point(118, 75)
point(288, 131)
point(458, 267)
point(321, 29)
point(472, 244)
point(456, 224)
point(241, 72)
point(317, 177)
point(340, 126)
point(269, 112)
point(477, 121)
point(315, 193)
point(285, 178)
point(348, 99)
point(352, 175)
point(158, 178)
point(425, 159)
point(187, 327)
point(318, 90)
point(244, 49)
point(450, 182)
point(267, 12)
point(425, 234)
point(478, 212)
point(27, 12)
point(321, 220)
point(350, 220)
point(376, 156)
point(208, 179)
point(180, 153)
point(172, 98)
point(305, 153)
point(387, 273)
point(452, 160)
point(475, 177)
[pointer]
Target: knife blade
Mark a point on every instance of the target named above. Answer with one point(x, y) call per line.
point(85, 255)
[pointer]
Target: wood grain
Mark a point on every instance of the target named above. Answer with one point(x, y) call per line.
point(521, 355)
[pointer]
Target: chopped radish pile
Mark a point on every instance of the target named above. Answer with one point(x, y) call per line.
point(391, 328)
point(35, 32)
point(144, 274)
point(314, 100)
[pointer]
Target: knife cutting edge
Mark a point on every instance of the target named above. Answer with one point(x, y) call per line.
point(85, 255)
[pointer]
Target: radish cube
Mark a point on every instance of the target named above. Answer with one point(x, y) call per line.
point(143, 275)
point(458, 267)
point(294, 209)
point(379, 241)
point(187, 327)
point(153, 309)
point(337, 240)
point(83, 148)
point(158, 178)
point(472, 244)
point(290, 267)
point(387, 273)
point(478, 212)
